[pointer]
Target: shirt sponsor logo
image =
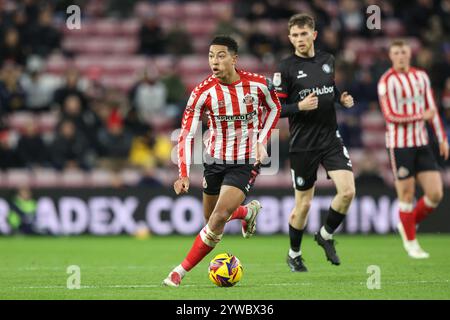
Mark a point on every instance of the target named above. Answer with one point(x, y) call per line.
point(239, 117)
point(301, 74)
point(276, 79)
point(318, 91)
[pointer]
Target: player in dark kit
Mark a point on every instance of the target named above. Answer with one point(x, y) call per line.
point(305, 85)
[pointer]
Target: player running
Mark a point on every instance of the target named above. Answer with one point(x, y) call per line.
point(407, 102)
point(305, 84)
point(234, 101)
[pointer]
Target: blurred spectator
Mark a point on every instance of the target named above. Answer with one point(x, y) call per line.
point(369, 173)
point(95, 89)
point(70, 148)
point(151, 37)
point(38, 85)
point(226, 25)
point(149, 180)
point(44, 37)
point(22, 214)
point(31, 148)
point(149, 96)
point(178, 41)
point(260, 43)
point(71, 87)
point(8, 155)
point(115, 143)
point(12, 95)
point(11, 50)
point(351, 16)
point(150, 150)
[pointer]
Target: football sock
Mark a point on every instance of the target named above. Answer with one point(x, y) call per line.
point(334, 220)
point(294, 254)
point(295, 236)
point(180, 270)
point(324, 234)
point(239, 213)
point(205, 241)
point(423, 208)
point(407, 219)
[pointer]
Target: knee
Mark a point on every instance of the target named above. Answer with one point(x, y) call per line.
point(347, 194)
point(302, 208)
point(219, 217)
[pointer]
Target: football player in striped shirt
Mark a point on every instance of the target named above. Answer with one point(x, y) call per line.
point(234, 101)
point(406, 99)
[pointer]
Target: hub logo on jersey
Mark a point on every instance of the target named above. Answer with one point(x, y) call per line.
point(248, 99)
point(276, 79)
point(318, 91)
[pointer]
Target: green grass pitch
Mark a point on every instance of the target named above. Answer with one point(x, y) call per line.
point(128, 268)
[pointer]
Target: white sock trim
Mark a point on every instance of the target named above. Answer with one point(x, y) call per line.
point(209, 237)
point(405, 207)
point(430, 203)
point(324, 233)
point(180, 270)
point(294, 254)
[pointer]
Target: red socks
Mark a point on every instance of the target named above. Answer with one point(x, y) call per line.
point(423, 208)
point(205, 241)
point(239, 213)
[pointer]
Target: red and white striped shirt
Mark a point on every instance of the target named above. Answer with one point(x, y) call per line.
point(235, 121)
point(404, 97)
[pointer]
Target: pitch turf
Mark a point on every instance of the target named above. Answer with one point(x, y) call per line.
point(128, 268)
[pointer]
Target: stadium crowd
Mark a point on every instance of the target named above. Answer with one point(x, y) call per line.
point(62, 106)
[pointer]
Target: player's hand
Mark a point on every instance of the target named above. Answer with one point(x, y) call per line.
point(311, 102)
point(346, 100)
point(443, 149)
point(181, 185)
point(261, 153)
point(429, 114)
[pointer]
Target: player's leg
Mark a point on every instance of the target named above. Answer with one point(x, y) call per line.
point(345, 187)
point(297, 223)
point(243, 177)
point(304, 167)
point(404, 164)
point(209, 203)
point(405, 189)
point(432, 186)
point(338, 165)
point(229, 199)
point(429, 178)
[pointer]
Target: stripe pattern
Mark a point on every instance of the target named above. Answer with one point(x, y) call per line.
point(404, 97)
point(239, 115)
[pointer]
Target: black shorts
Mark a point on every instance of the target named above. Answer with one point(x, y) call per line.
point(407, 162)
point(304, 164)
point(241, 176)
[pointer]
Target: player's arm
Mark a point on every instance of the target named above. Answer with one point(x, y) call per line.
point(189, 124)
point(388, 103)
point(282, 85)
point(435, 120)
point(269, 100)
